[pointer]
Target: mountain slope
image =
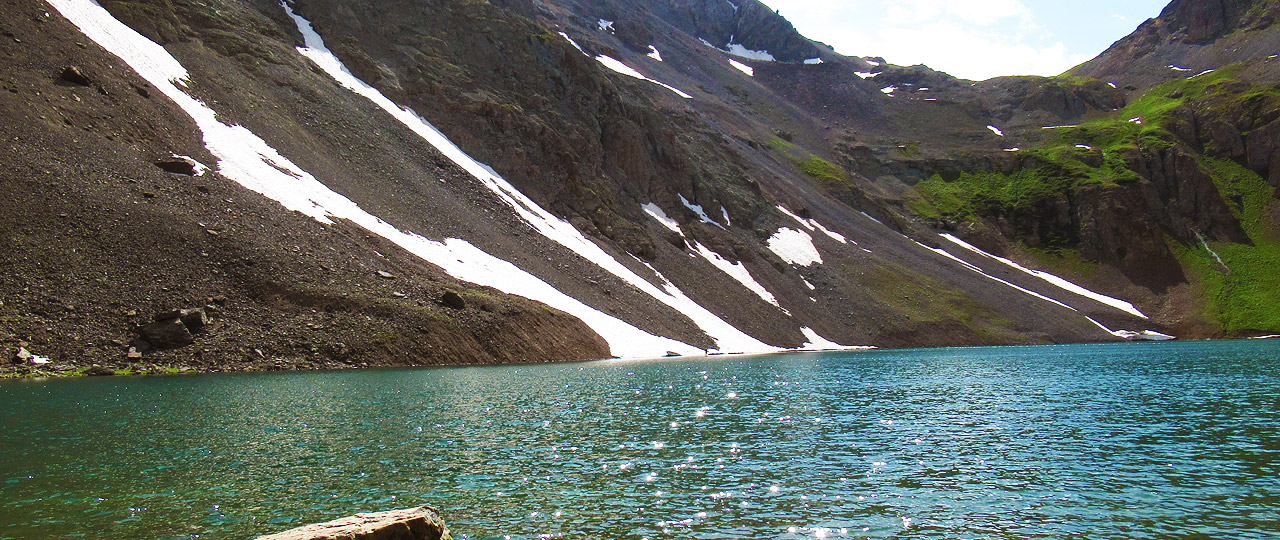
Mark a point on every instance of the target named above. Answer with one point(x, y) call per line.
point(653, 183)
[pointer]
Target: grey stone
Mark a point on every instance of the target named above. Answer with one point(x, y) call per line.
point(422, 523)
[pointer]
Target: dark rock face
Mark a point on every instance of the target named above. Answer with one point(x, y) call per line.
point(1202, 21)
point(1192, 34)
point(422, 523)
point(750, 24)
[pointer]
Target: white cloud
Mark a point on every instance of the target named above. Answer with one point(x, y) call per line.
point(971, 39)
point(982, 12)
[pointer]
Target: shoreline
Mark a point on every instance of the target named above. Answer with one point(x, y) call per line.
point(34, 373)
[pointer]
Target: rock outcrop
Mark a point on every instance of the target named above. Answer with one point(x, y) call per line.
point(422, 523)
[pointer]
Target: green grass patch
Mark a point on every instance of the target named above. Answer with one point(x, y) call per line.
point(824, 172)
point(1243, 291)
point(1065, 262)
point(1244, 296)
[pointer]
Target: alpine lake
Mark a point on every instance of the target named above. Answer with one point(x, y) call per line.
point(1176, 440)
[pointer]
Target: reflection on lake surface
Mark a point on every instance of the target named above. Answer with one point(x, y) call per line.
point(1169, 440)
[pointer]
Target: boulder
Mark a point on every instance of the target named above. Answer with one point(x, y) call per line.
point(73, 75)
point(195, 319)
point(166, 334)
point(453, 301)
point(185, 167)
point(100, 371)
point(422, 523)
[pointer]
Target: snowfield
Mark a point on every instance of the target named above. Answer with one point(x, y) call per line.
point(795, 247)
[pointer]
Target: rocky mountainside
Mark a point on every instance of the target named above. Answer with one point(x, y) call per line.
point(245, 184)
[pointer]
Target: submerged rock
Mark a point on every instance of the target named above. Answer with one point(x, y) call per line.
point(422, 523)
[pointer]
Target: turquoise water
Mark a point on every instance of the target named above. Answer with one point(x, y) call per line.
point(1167, 440)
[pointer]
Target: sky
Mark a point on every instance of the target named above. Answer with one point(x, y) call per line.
point(971, 39)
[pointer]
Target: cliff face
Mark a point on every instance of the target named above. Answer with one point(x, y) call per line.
point(1190, 35)
point(632, 191)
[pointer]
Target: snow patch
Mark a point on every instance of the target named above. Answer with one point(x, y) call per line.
point(751, 72)
point(864, 74)
point(1136, 120)
point(1176, 68)
point(975, 269)
point(809, 285)
point(794, 247)
point(1084, 146)
point(1145, 335)
point(572, 42)
point(738, 272)
point(605, 26)
point(725, 212)
point(617, 65)
point(889, 90)
point(1014, 149)
point(697, 209)
point(1054, 280)
point(1205, 72)
point(818, 343)
point(656, 213)
point(743, 52)
point(1273, 336)
point(812, 61)
point(654, 54)
point(813, 225)
point(1113, 85)
point(872, 62)
point(996, 130)
point(1060, 127)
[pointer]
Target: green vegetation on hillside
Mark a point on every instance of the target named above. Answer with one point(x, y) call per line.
point(1091, 154)
point(824, 172)
point(1242, 292)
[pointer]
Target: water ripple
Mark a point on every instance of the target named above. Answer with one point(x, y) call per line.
point(1143, 441)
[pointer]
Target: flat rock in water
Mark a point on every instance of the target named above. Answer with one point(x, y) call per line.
point(422, 523)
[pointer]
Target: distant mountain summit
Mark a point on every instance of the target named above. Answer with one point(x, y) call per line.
point(1191, 35)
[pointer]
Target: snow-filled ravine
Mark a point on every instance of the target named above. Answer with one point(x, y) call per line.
point(1056, 281)
point(247, 159)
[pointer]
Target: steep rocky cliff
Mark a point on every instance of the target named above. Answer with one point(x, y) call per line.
point(518, 180)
